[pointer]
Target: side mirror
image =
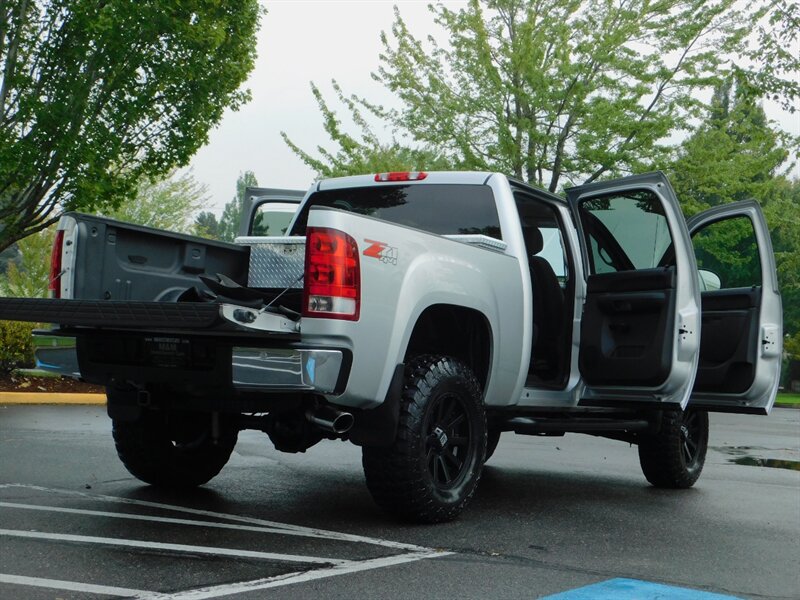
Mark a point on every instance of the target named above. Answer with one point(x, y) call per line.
point(709, 281)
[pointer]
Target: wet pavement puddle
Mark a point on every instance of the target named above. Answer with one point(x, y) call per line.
point(773, 463)
point(747, 455)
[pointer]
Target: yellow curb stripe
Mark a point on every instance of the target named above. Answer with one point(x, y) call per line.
point(50, 398)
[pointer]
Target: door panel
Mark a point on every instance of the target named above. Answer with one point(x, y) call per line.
point(727, 356)
point(640, 325)
point(742, 321)
point(625, 334)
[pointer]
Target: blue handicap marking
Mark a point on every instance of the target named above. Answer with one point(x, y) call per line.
point(633, 589)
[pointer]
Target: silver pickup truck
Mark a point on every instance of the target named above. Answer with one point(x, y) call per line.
point(420, 316)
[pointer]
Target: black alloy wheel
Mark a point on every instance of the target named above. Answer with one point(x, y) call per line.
point(430, 472)
point(450, 441)
point(674, 457)
point(691, 438)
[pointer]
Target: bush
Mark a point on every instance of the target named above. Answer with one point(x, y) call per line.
point(16, 345)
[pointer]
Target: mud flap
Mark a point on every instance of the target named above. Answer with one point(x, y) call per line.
point(378, 427)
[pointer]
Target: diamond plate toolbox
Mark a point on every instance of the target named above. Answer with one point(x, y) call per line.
point(275, 262)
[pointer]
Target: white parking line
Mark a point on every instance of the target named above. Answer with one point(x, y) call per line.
point(284, 527)
point(88, 539)
point(290, 578)
point(132, 517)
point(71, 586)
point(332, 568)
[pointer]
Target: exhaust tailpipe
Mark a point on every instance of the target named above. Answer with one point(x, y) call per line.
point(330, 419)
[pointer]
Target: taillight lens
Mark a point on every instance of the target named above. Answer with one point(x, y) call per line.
point(55, 265)
point(400, 176)
point(332, 287)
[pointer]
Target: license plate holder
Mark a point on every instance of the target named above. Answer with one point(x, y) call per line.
point(168, 351)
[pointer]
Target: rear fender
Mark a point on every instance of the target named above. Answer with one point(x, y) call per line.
point(403, 272)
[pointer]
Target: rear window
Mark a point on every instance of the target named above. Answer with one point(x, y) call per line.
point(439, 209)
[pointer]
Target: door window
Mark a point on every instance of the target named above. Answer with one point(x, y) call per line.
point(727, 254)
point(625, 232)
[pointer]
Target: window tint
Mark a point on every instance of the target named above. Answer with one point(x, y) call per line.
point(625, 232)
point(440, 209)
point(273, 218)
point(727, 252)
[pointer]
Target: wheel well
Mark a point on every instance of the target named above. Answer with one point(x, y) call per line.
point(462, 333)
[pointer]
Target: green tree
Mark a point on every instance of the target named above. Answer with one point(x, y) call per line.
point(29, 275)
point(738, 154)
point(552, 90)
point(231, 214)
point(167, 204)
point(735, 154)
point(792, 346)
point(207, 225)
point(7, 256)
point(365, 152)
point(775, 54)
point(96, 95)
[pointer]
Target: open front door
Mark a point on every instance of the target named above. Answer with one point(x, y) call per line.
point(740, 344)
point(640, 325)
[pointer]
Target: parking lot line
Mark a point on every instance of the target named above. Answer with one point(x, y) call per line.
point(88, 539)
point(153, 519)
point(323, 567)
point(230, 589)
point(283, 527)
point(71, 586)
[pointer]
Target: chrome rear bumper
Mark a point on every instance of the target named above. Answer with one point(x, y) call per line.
point(294, 369)
point(253, 369)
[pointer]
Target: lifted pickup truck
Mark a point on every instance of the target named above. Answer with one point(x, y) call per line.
point(420, 316)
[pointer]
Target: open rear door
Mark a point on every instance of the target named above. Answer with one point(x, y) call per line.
point(740, 344)
point(640, 325)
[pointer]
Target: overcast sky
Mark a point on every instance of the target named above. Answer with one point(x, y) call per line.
point(302, 41)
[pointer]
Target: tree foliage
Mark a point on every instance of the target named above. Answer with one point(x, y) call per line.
point(28, 276)
point(207, 225)
point(738, 154)
point(365, 152)
point(16, 345)
point(734, 154)
point(96, 95)
point(232, 213)
point(7, 256)
point(775, 54)
point(551, 90)
point(167, 204)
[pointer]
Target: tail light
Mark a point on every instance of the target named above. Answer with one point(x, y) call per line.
point(332, 288)
point(55, 265)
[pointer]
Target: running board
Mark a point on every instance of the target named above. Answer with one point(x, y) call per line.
point(531, 426)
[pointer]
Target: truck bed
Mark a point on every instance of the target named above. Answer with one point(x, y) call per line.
point(121, 261)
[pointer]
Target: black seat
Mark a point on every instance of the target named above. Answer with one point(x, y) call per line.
point(548, 310)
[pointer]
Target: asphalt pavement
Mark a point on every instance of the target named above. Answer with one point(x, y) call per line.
point(551, 516)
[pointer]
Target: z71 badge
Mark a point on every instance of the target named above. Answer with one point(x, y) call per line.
point(383, 252)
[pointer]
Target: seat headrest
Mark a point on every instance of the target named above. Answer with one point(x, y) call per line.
point(533, 240)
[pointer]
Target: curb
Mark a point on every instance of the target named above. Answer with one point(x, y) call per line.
point(48, 398)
